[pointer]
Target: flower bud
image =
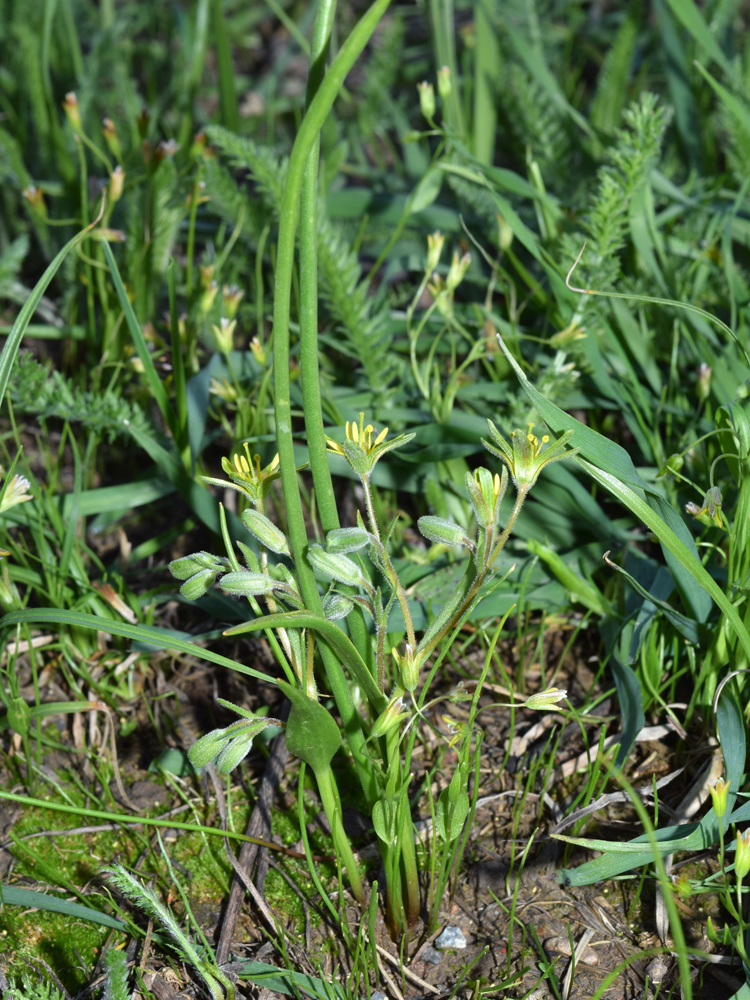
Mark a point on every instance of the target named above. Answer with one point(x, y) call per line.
point(259, 352)
point(246, 584)
point(437, 529)
point(265, 531)
point(116, 184)
point(504, 234)
point(672, 466)
point(232, 296)
point(546, 701)
point(200, 139)
point(435, 243)
point(703, 383)
point(742, 856)
point(391, 716)
point(198, 584)
point(72, 112)
point(444, 82)
point(347, 539)
point(204, 750)
point(427, 100)
point(35, 198)
point(710, 512)
point(719, 792)
point(207, 298)
point(224, 334)
point(112, 139)
point(486, 493)
point(457, 271)
point(335, 566)
point(15, 492)
point(408, 667)
point(234, 753)
point(182, 568)
point(336, 607)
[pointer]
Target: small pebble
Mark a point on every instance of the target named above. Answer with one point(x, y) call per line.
point(657, 969)
point(452, 937)
point(430, 955)
point(377, 995)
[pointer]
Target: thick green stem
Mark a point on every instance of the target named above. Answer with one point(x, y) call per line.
point(329, 798)
point(308, 319)
point(306, 139)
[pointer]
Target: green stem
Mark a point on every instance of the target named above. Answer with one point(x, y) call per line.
point(343, 849)
point(318, 110)
point(308, 266)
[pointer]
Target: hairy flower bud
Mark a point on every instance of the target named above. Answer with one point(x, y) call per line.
point(444, 82)
point(427, 100)
point(246, 584)
point(437, 529)
point(265, 531)
point(72, 112)
point(347, 539)
point(337, 567)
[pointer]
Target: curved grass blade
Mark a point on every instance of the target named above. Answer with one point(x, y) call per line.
point(12, 895)
point(161, 637)
point(155, 384)
point(29, 307)
point(673, 544)
point(331, 634)
point(614, 462)
point(165, 822)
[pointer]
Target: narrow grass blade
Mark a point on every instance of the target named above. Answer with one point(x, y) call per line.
point(163, 638)
point(687, 627)
point(29, 307)
point(12, 895)
point(139, 342)
point(733, 105)
point(165, 822)
point(691, 18)
point(672, 544)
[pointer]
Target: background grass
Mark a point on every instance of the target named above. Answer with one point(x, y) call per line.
point(623, 126)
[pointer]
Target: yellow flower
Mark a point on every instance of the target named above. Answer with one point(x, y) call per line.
point(248, 477)
point(525, 456)
point(361, 449)
point(719, 793)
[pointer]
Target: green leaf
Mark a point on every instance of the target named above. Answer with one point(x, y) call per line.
point(311, 732)
point(619, 858)
point(687, 627)
point(691, 18)
point(12, 895)
point(426, 190)
point(287, 982)
point(451, 816)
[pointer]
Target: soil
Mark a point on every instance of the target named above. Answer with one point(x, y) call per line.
point(514, 917)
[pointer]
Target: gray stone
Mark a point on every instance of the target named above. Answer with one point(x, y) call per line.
point(452, 937)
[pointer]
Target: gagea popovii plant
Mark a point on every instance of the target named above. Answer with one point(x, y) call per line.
point(384, 685)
